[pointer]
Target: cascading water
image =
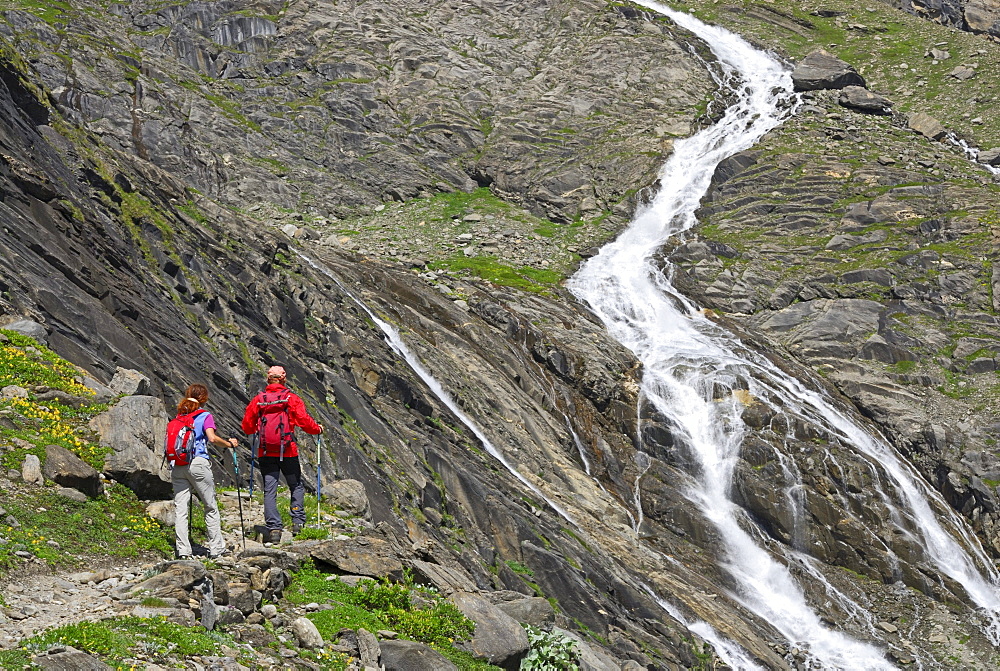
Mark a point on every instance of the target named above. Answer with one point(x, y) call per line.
point(688, 358)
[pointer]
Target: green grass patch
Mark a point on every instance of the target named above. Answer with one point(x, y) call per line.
point(23, 366)
point(903, 366)
point(115, 525)
point(380, 605)
point(491, 270)
point(118, 639)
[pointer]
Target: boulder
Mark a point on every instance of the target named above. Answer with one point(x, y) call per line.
point(927, 126)
point(244, 597)
point(129, 382)
point(65, 468)
point(31, 470)
point(61, 658)
point(822, 70)
point(29, 328)
point(536, 611)
point(13, 391)
point(73, 494)
point(162, 511)
point(361, 555)
point(990, 156)
point(174, 581)
point(350, 496)
point(134, 428)
point(368, 649)
point(446, 579)
point(861, 99)
point(306, 633)
point(499, 639)
point(590, 659)
point(412, 656)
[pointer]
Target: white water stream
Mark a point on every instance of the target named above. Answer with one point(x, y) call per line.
point(687, 359)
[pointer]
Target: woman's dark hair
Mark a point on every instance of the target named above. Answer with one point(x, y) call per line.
point(195, 397)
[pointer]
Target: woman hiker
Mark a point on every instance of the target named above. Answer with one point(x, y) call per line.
point(195, 473)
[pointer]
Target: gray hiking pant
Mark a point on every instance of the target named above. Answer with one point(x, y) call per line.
point(271, 468)
point(195, 477)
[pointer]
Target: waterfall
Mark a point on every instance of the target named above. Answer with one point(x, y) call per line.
point(687, 358)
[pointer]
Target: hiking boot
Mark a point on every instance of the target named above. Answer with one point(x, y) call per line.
point(273, 536)
point(185, 557)
point(222, 553)
point(296, 528)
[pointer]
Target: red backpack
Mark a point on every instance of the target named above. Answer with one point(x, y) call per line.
point(179, 444)
point(275, 425)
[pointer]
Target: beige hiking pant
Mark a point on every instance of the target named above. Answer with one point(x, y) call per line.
point(198, 477)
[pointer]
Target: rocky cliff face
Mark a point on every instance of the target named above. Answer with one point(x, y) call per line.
point(145, 155)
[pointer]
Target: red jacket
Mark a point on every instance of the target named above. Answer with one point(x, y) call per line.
point(296, 413)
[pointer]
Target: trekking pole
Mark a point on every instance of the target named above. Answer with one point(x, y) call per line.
point(243, 526)
point(319, 480)
point(253, 453)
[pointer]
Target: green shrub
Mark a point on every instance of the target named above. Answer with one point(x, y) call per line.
point(549, 651)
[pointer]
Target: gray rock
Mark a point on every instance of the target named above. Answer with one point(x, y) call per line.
point(67, 658)
point(134, 428)
point(268, 610)
point(162, 511)
point(535, 611)
point(29, 328)
point(412, 656)
point(962, 73)
point(72, 494)
point(863, 100)
point(129, 382)
point(175, 580)
point(31, 470)
point(591, 658)
point(990, 156)
point(65, 468)
point(368, 649)
point(822, 70)
point(348, 495)
point(243, 597)
point(13, 391)
point(229, 615)
point(360, 555)
point(102, 392)
point(927, 126)
point(306, 633)
point(499, 638)
point(447, 579)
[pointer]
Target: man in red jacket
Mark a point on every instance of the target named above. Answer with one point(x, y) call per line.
point(273, 415)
